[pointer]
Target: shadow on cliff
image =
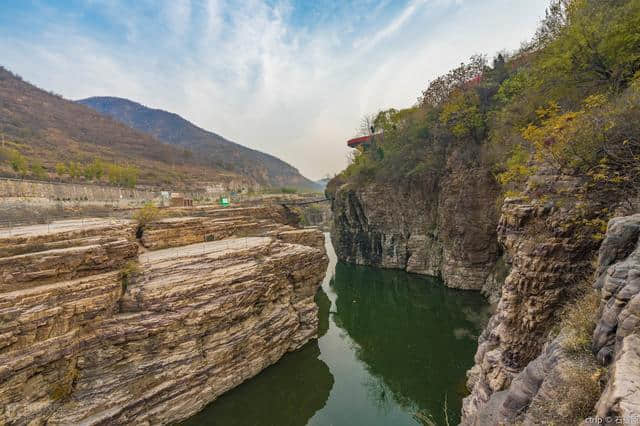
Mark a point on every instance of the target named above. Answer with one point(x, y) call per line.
point(416, 337)
point(287, 393)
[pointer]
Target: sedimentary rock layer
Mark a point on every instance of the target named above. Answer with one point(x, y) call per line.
point(549, 260)
point(441, 226)
point(30, 269)
point(180, 231)
point(61, 234)
point(558, 377)
point(617, 335)
point(274, 212)
point(151, 341)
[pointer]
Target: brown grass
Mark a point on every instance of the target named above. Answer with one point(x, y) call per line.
point(579, 382)
point(575, 397)
point(579, 321)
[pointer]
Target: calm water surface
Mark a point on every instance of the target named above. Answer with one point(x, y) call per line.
point(393, 350)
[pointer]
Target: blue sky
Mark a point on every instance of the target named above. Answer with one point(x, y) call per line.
point(292, 78)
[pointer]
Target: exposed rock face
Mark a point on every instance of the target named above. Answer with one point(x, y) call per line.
point(617, 334)
point(180, 231)
point(442, 226)
point(547, 379)
point(30, 269)
point(61, 234)
point(549, 259)
point(158, 344)
point(273, 212)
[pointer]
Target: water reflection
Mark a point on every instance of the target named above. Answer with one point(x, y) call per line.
point(415, 337)
point(287, 393)
point(393, 350)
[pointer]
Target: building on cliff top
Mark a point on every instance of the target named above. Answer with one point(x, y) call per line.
point(362, 142)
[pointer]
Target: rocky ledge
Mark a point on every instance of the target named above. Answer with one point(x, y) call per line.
point(100, 334)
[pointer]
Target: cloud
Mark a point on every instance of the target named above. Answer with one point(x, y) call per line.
point(271, 75)
point(395, 25)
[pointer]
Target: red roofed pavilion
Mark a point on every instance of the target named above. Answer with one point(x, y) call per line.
point(363, 142)
point(355, 142)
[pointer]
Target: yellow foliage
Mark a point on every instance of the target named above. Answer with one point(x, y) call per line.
point(594, 101)
point(148, 213)
point(517, 167)
point(560, 139)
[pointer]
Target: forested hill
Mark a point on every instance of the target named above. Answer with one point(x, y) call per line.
point(47, 137)
point(566, 102)
point(213, 149)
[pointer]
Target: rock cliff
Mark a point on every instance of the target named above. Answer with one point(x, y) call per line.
point(95, 329)
point(440, 225)
point(551, 379)
point(526, 369)
point(616, 339)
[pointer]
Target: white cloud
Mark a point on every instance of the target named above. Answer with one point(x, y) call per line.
point(368, 42)
point(244, 71)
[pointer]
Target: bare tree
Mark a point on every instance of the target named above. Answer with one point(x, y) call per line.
point(367, 126)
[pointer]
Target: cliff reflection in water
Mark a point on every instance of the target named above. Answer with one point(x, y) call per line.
point(287, 393)
point(392, 348)
point(415, 336)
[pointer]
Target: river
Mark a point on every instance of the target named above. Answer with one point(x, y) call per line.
point(393, 350)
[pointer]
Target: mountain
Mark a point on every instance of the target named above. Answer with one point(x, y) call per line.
point(209, 147)
point(41, 130)
point(323, 182)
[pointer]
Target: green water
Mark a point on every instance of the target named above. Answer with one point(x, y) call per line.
point(393, 350)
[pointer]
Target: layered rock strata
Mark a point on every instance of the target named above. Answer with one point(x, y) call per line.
point(616, 339)
point(441, 226)
point(97, 334)
point(556, 377)
point(549, 260)
point(274, 212)
point(61, 234)
point(180, 231)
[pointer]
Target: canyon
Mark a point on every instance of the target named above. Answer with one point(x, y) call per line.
point(104, 321)
point(442, 225)
point(526, 366)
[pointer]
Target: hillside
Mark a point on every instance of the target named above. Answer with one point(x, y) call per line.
point(213, 149)
point(47, 137)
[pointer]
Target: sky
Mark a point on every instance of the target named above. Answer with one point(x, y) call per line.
point(289, 77)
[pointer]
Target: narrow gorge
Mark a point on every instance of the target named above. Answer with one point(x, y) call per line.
point(443, 225)
point(518, 177)
point(470, 257)
point(529, 260)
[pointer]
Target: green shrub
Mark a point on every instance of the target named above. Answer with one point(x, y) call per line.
point(147, 214)
point(128, 273)
point(95, 170)
point(16, 160)
point(125, 176)
point(37, 170)
point(61, 169)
